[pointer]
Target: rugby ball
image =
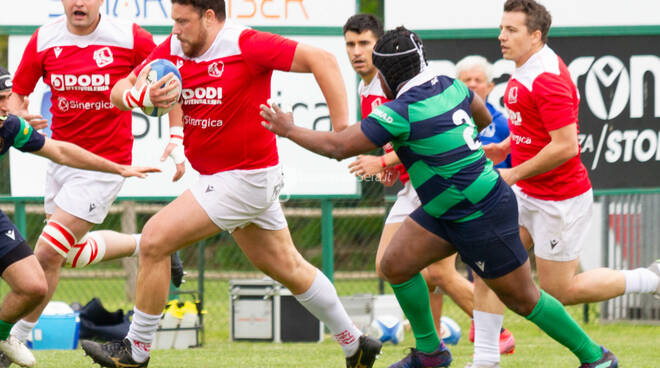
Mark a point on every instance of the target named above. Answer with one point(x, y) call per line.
point(159, 69)
point(386, 328)
point(450, 330)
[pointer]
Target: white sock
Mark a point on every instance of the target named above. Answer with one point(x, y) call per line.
point(137, 244)
point(322, 301)
point(141, 334)
point(21, 330)
point(640, 280)
point(487, 328)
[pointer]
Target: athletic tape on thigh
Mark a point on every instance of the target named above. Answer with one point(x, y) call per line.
point(90, 250)
point(58, 236)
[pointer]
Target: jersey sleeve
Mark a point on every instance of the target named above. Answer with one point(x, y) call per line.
point(265, 51)
point(29, 70)
point(143, 44)
point(161, 51)
point(465, 90)
point(554, 100)
point(22, 136)
point(384, 125)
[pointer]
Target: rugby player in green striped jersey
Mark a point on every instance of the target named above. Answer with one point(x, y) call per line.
point(432, 122)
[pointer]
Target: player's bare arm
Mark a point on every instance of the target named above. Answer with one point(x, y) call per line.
point(369, 165)
point(497, 152)
point(309, 59)
point(563, 146)
point(157, 94)
point(338, 145)
point(69, 154)
point(18, 105)
point(480, 113)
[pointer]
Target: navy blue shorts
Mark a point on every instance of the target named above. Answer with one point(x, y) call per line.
point(10, 237)
point(489, 244)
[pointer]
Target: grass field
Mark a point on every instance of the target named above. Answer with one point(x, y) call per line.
point(636, 345)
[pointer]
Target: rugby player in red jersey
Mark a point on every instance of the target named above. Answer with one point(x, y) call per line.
point(551, 184)
point(80, 56)
point(226, 70)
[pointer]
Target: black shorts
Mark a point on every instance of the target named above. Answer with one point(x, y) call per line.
point(490, 244)
point(13, 247)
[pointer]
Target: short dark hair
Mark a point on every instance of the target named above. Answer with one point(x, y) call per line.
point(218, 6)
point(364, 22)
point(538, 17)
point(399, 56)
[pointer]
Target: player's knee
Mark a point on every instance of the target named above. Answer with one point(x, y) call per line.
point(152, 245)
point(35, 290)
point(55, 242)
point(90, 250)
point(393, 271)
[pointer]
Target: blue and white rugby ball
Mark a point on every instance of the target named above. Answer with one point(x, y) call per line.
point(386, 328)
point(451, 331)
point(159, 69)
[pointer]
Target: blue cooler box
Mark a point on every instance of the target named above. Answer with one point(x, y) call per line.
point(55, 331)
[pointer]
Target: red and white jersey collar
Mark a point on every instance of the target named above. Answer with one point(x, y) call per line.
point(543, 61)
point(115, 32)
point(224, 45)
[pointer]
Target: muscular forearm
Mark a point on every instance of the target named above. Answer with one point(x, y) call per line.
point(69, 154)
point(548, 158)
point(117, 93)
point(325, 144)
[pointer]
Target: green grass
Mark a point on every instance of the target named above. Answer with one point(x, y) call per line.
point(635, 345)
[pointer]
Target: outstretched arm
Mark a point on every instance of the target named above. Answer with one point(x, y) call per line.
point(65, 153)
point(338, 145)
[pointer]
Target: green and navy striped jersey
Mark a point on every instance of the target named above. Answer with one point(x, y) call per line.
point(18, 133)
point(432, 131)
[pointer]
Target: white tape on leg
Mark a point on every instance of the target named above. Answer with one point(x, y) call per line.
point(90, 250)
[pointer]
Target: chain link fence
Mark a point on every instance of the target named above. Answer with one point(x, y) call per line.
point(631, 241)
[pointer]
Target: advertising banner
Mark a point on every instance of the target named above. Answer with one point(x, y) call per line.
point(290, 13)
point(618, 78)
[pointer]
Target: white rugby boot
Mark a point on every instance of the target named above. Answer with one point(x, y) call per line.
point(17, 352)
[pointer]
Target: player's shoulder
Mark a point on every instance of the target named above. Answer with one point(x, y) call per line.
point(543, 66)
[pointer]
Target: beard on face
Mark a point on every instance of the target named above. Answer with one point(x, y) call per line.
point(194, 47)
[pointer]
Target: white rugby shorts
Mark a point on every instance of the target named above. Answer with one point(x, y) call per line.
point(559, 229)
point(236, 198)
point(83, 193)
point(406, 202)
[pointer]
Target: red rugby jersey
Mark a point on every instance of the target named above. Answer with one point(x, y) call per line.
point(222, 91)
point(541, 97)
point(80, 71)
point(372, 96)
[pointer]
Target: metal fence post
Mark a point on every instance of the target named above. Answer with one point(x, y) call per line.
point(327, 238)
point(129, 226)
point(19, 218)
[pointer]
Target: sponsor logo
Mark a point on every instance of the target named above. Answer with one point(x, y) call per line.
point(553, 243)
point(381, 114)
point(520, 139)
point(377, 102)
point(62, 104)
point(92, 207)
point(513, 95)
point(481, 265)
point(202, 96)
point(209, 188)
point(103, 57)
point(216, 69)
point(58, 51)
point(514, 117)
point(10, 234)
point(179, 63)
point(83, 82)
point(65, 105)
point(203, 123)
point(345, 337)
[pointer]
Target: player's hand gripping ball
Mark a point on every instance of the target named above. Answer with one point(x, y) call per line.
point(158, 69)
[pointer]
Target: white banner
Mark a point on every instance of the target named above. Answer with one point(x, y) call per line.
point(306, 173)
point(298, 13)
point(436, 14)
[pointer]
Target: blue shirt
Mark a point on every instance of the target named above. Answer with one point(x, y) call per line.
point(496, 132)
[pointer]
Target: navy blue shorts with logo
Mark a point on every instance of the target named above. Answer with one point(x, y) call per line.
point(489, 244)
